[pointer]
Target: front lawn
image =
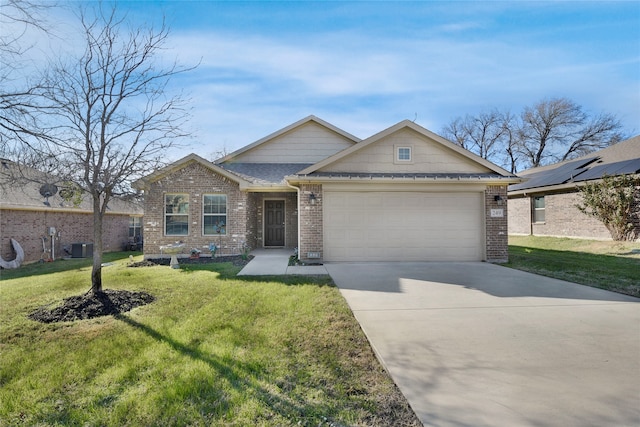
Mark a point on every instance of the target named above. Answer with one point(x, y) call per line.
point(614, 266)
point(212, 349)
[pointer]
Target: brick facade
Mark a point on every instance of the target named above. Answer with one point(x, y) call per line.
point(195, 180)
point(28, 228)
point(245, 213)
point(311, 231)
point(562, 218)
point(496, 213)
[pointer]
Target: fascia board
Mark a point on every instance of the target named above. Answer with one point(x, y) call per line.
point(309, 179)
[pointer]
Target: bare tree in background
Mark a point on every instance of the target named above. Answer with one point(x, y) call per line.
point(17, 18)
point(107, 115)
point(482, 134)
point(558, 129)
point(552, 130)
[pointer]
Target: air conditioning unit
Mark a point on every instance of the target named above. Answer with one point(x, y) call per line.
point(81, 250)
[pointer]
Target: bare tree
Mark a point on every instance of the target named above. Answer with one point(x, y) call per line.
point(107, 114)
point(558, 129)
point(552, 130)
point(17, 18)
point(484, 134)
point(512, 151)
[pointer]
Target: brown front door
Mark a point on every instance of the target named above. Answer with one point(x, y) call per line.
point(274, 222)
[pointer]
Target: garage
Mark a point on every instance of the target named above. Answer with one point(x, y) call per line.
point(403, 226)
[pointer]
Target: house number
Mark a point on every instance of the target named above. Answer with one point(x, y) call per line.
point(497, 213)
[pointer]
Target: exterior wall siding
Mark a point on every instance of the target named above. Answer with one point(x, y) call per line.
point(196, 180)
point(307, 144)
point(28, 228)
point(380, 157)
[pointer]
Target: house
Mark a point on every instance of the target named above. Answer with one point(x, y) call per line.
point(404, 194)
point(545, 203)
point(36, 216)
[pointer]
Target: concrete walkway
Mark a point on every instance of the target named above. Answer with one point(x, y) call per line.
point(275, 262)
point(476, 344)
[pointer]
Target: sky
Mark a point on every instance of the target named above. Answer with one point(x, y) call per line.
point(364, 66)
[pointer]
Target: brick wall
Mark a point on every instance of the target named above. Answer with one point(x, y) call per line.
point(562, 218)
point(311, 232)
point(520, 215)
point(196, 180)
point(28, 227)
point(497, 245)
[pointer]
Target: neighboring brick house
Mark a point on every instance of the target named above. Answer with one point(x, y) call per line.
point(28, 217)
point(545, 203)
point(404, 194)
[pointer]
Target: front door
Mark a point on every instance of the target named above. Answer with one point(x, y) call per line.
point(274, 222)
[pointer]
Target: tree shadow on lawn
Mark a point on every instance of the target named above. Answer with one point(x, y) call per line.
point(227, 271)
point(242, 377)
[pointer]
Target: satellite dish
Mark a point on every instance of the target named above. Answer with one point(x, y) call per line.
point(48, 190)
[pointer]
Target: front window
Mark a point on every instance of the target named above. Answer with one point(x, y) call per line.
point(538, 209)
point(214, 212)
point(134, 227)
point(176, 214)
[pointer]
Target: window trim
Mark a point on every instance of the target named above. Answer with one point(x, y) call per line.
point(396, 155)
point(226, 214)
point(535, 211)
point(165, 214)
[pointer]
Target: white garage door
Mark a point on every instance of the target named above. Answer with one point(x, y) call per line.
point(403, 226)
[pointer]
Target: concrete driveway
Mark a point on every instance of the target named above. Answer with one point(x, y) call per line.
point(476, 344)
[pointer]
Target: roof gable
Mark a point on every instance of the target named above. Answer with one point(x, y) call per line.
point(306, 141)
point(144, 182)
point(430, 154)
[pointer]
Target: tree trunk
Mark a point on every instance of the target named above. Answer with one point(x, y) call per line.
point(96, 272)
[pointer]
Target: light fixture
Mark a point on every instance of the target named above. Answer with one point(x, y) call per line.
point(312, 198)
point(498, 198)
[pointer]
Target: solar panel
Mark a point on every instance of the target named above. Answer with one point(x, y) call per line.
point(617, 168)
point(559, 175)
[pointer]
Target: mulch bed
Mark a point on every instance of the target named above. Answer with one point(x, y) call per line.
point(91, 305)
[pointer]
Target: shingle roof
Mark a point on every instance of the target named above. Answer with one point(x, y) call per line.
point(21, 190)
point(264, 173)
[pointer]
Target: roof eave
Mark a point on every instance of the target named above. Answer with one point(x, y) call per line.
point(301, 179)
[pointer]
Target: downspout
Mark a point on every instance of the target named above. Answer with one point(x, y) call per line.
point(298, 202)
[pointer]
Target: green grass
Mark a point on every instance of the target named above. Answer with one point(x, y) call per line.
point(212, 349)
point(614, 266)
